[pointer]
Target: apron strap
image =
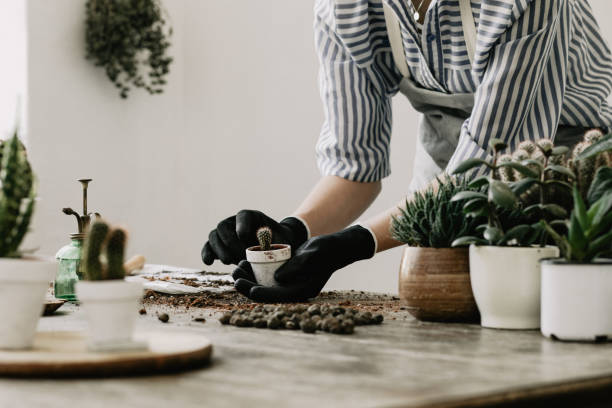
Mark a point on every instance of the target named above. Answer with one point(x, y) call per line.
point(397, 45)
point(469, 28)
point(395, 39)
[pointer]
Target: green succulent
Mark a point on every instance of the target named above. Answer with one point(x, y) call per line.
point(17, 195)
point(129, 39)
point(589, 231)
point(430, 219)
point(104, 252)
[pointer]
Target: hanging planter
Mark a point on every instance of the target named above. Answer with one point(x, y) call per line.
point(129, 39)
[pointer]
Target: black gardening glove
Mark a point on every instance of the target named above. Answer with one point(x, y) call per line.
point(235, 234)
point(306, 273)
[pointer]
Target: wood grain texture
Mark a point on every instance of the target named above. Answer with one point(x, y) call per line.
point(65, 354)
point(434, 283)
point(402, 363)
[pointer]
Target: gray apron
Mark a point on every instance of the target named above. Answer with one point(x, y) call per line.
point(443, 114)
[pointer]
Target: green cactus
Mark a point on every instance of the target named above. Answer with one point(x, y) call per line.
point(102, 239)
point(264, 236)
point(17, 195)
point(586, 168)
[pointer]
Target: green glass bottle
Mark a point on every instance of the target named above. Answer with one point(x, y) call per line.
point(69, 257)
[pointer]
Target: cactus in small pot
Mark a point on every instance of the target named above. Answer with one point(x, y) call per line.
point(267, 257)
point(105, 292)
point(23, 280)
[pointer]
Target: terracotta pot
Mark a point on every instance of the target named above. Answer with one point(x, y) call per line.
point(435, 285)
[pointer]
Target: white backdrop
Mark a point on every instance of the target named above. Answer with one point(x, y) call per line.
point(234, 129)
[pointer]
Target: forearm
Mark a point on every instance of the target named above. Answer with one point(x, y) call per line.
point(334, 203)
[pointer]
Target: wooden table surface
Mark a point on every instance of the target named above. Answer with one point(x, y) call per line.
point(402, 363)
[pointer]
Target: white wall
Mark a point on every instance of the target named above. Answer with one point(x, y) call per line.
point(242, 90)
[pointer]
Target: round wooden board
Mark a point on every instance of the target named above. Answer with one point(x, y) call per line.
point(65, 354)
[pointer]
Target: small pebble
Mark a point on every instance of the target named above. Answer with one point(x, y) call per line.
point(260, 323)
point(308, 326)
point(273, 323)
point(142, 311)
point(164, 317)
point(199, 320)
point(225, 318)
point(314, 310)
point(289, 325)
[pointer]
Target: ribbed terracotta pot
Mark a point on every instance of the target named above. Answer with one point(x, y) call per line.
point(434, 283)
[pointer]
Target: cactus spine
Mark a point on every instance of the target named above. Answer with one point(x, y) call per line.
point(17, 195)
point(264, 236)
point(104, 252)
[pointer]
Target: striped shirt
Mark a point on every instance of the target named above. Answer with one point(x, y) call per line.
point(538, 64)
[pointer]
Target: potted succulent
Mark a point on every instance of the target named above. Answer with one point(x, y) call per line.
point(434, 277)
point(23, 279)
point(504, 260)
point(577, 288)
point(267, 257)
point(109, 301)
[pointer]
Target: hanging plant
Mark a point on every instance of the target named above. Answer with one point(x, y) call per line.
point(129, 39)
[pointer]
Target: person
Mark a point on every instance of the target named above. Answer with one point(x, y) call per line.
point(509, 69)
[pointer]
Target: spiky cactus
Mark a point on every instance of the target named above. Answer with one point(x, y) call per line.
point(585, 169)
point(264, 236)
point(103, 253)
point(17, 195)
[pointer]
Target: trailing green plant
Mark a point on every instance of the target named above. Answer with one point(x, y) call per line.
point(17, 195)
point(589, 231)
point(104, 252)
point(498, 200)
point(129, 39)
point(430, 219)
point(264, 237)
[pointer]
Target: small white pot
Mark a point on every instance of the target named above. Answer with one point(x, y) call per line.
point(265, 263)
point(506, 284)
point(23, 285)
point(111, 308)
point(577, 300)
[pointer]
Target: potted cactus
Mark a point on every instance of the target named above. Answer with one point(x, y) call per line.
point(267, 257)
point(504, 260)
point(23, 279)
point(109, 301)
point(577, 288)
point(434, 277)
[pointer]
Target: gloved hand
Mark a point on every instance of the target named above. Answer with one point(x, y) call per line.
point(304, 275)
point(235, 234)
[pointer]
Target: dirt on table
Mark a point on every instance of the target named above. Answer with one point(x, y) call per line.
point(230, 299)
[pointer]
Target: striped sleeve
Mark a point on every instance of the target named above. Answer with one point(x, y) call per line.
point(521, 65)
point(356, 87)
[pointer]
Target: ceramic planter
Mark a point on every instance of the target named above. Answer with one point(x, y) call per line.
point(265, 263)
point(506, 284)
point(435, 285)
point(23, 285)
point(111, 309)
point(577, 300)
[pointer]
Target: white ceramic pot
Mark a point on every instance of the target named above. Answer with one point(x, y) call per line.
point(23, 285)
point(506, 284)
point(577, 300)
point(111, 307)
point(265, 263)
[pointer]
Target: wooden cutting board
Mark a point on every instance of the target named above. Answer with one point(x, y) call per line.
point(65, 354)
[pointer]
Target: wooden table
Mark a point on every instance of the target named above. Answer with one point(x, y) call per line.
point(402, 363)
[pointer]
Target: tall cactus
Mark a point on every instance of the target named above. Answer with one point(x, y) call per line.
point(17, 195)
point(264, 236)
point(104, 252)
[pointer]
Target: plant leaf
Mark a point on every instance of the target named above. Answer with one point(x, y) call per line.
point(603, 145)
point(463, 241)
point(464, 195)
point(598, 246)
point(517, 232)
point(493, 234)
point(502, 195)
point(470, 164)
point(561, 170)
point(561, 241)
point(580, 209)
point(524, 170)
point(523, 185)
point(559, 150)
point(600, 209)
point(601, 184)
point(532, 162)
point(479, 182)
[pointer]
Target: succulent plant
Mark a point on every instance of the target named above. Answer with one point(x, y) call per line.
point(588, 156)
point(17, 195)
point(264, 237)
point(589, 231)
point(103, 253)
point(430, 219)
